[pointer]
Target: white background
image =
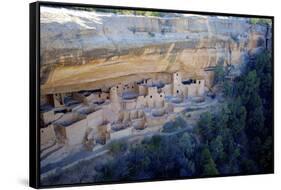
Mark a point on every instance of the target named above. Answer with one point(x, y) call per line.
point(14, 80)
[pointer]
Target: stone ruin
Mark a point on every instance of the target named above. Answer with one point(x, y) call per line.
point(98, 116)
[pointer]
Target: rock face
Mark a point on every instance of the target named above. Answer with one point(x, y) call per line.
point(82, 50)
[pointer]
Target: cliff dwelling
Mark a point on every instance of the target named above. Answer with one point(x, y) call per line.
point(117, 111)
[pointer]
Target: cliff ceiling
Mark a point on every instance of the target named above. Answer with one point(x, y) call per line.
point(80, 49)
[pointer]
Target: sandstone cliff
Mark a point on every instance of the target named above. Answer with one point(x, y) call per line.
point(81, 50)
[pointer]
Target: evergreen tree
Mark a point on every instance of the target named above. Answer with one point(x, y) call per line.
point(216, 148)
point(209, 166)
point(205, 126)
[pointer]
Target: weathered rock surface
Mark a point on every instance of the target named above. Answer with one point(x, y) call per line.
point(82, 50)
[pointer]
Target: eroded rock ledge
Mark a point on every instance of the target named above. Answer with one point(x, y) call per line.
point(84, 50)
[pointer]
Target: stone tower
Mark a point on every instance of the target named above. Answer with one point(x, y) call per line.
point(177, 85)
point(200, 87)
point(113, 95)
point(114, 99)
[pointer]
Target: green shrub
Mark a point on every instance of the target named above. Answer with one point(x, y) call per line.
point(116, 147)
point(260, 21)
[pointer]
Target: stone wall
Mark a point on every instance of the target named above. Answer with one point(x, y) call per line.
point(76, 132)
point(47, 135)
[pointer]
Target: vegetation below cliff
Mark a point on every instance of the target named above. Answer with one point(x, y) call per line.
point(239, 138)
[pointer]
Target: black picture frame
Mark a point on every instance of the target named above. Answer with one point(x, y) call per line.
point(34, 86)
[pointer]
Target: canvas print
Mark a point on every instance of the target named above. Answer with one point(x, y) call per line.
point(140, 95)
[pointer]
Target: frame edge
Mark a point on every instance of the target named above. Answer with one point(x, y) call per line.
point(34, 179)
